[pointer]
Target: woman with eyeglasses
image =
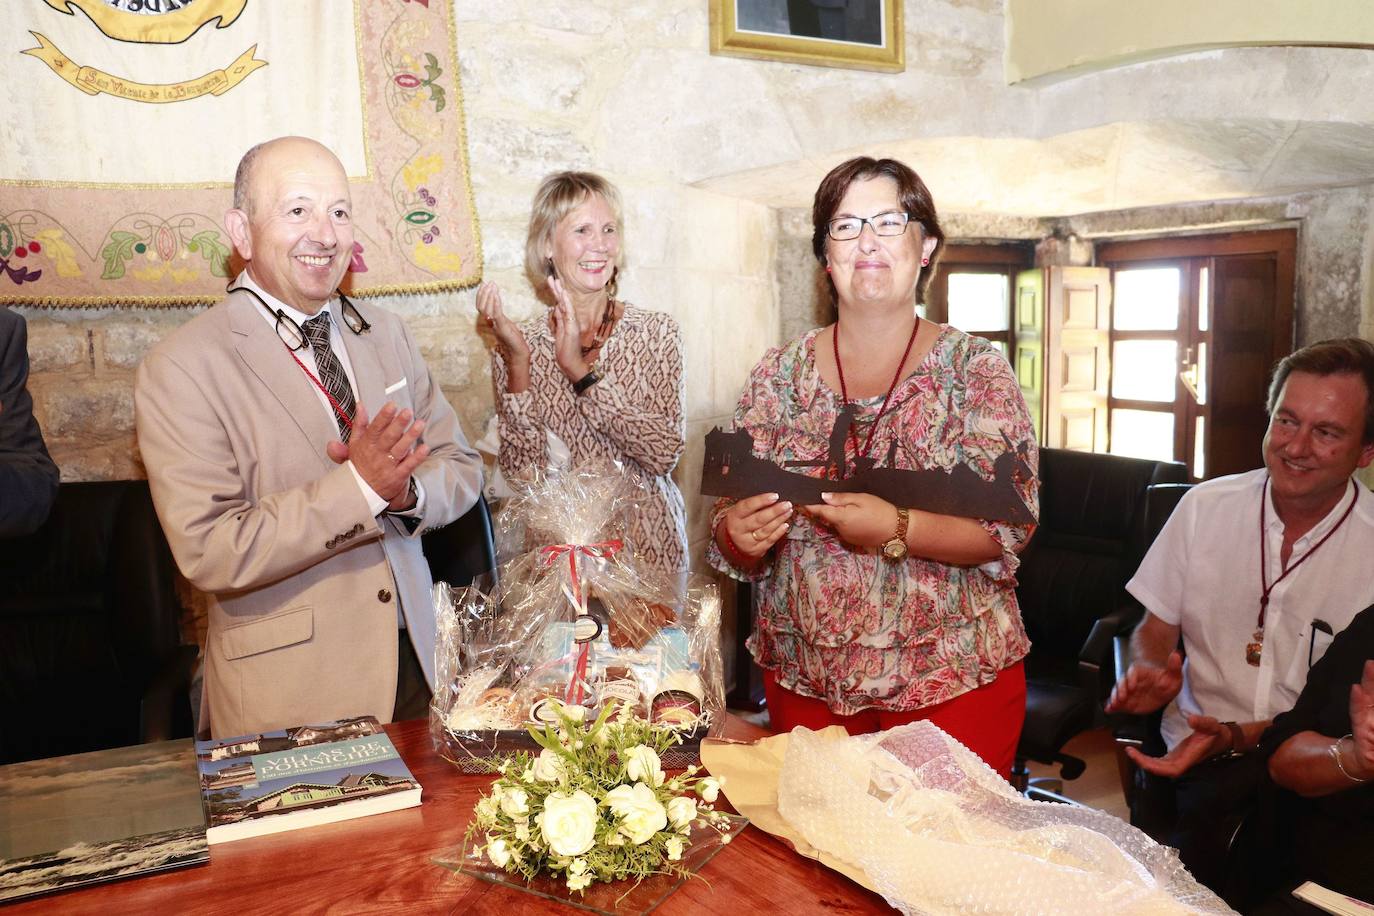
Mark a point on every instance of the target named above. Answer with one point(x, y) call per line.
point(870, 614)
point(603, 376)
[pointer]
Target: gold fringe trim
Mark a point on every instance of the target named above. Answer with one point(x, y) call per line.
point(93, 302)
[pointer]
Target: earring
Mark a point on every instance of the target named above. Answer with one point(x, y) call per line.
point(925, 262)
point(828, 268)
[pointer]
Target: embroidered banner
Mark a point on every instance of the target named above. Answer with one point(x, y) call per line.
point(127, 118)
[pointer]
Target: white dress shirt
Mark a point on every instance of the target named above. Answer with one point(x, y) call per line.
point(1203, 574)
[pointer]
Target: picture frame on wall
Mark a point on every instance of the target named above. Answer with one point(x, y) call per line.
point(862, 34)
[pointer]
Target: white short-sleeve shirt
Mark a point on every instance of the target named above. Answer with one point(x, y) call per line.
point(1203, 574)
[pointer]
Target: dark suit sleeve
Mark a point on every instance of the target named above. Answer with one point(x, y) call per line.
point(28, 477)
point(1324, 704)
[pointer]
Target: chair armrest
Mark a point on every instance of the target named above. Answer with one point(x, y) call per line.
point(157, 714)
point(1098, 648)
point(1097, 673)
point(1113, 646)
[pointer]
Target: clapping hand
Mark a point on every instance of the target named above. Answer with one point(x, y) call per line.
point(508, 335)
point(567, 333)
point(385, 452)
point(1147, 687)
point(1208, 738)
point(1362, 723)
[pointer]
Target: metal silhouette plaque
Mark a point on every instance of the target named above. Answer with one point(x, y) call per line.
point(731, 469)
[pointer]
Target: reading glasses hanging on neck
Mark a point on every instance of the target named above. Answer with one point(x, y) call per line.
point(293, 335)
point(845, 228)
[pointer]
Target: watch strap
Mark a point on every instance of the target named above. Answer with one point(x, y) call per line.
point(894, 548)
point(585, 382)
point(1237, 740)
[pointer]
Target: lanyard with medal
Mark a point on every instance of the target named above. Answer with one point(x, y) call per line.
point(1254, 649)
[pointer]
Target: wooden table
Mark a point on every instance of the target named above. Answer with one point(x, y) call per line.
point(382, 864)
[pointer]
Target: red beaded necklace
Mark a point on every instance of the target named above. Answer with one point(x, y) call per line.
point(844, 391)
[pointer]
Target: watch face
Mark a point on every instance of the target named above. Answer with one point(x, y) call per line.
point(894, 549)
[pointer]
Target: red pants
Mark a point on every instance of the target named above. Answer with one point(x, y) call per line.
point(986, 720)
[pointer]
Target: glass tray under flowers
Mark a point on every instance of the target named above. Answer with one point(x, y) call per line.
point(593, 820)
point(621, 898)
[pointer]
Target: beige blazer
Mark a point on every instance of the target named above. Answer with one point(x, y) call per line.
point(303, 581)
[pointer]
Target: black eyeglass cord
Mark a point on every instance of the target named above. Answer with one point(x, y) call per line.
point(351, 316)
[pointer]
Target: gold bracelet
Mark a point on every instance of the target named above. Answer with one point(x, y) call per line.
point(1335, 752)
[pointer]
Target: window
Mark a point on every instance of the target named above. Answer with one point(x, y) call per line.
point(1197, 322)
point(973, 290)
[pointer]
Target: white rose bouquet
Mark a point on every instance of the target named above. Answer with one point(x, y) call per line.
point(595, 804)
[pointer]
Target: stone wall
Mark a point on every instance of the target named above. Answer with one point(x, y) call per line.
point(631, 90)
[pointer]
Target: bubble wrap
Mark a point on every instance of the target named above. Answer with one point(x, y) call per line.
point(939, 832)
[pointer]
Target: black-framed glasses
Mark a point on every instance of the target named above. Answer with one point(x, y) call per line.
point(293, 335)
point(845, 228)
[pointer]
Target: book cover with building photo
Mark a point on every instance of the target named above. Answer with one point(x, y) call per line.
point(299, 777)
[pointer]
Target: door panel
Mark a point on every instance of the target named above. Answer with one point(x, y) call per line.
point(1077, 320)
point(1244, 293)
point(1030, 344)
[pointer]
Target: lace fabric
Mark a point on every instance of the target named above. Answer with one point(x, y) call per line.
point(938, 832)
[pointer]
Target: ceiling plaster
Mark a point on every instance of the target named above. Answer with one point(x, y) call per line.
point(1112, 167)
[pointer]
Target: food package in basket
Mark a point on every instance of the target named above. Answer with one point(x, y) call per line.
point(574, 614)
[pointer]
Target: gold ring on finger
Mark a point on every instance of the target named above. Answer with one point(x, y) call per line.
point(392, 457)
point(757, 533)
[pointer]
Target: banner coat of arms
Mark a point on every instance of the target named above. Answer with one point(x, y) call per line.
point(127, 118)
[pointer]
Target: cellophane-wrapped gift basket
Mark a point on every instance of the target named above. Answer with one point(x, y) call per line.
point(574, 614)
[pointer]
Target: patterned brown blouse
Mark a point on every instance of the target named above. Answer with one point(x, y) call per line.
point(634, 415)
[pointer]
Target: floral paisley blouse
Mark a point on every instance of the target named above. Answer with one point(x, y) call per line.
point(842, 624)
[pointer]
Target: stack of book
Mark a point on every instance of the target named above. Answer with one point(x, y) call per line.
point(299, 777)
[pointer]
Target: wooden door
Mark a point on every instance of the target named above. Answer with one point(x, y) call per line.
point(1029, 328)
point(1235, 322)
point(1077, 357)
point(1250, 333)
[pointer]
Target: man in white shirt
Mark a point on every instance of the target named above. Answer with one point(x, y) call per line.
point(1255, 573)
point(297, 446)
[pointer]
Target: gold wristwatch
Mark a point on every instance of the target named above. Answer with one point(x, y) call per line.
point(895, 549)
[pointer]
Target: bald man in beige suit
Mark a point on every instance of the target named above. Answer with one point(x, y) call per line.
point(294, 510)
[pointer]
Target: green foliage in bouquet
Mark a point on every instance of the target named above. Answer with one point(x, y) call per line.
point(595, 804)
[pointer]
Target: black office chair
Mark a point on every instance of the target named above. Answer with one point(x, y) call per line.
point(1108, 651)
point(461, 551)
point(747, 693)
point(90, 648)
point(1091, 537)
